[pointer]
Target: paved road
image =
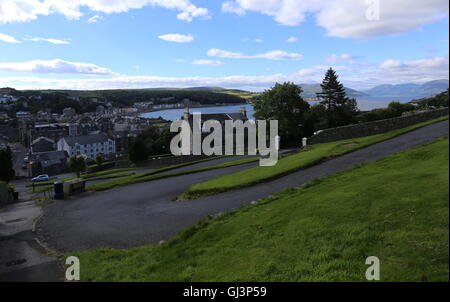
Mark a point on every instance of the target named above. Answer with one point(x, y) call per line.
point(144, 213)
point(21, 257)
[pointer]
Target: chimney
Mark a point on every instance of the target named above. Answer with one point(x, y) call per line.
point(243, 111)
point(186, 114)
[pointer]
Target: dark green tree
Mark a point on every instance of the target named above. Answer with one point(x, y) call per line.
point(138, 151)
point(6, 165)
point(284, 103)
point(77, 164)
point(340, 109)
point(152, 141)
point(99, 159)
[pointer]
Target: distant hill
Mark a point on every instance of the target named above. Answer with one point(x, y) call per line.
point(409, 89)
point(310, 90)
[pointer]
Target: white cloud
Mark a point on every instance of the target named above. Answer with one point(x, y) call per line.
point(94, 19)
point(257, 40)
point(437, 66)
point(27, 10)
point(344, 58)
point(292, 39)
point(207, 62)
point(55, 66)
point(348, 18)
point(178, 38)
point(270, 55)
point(357, 77)
point(49, 40)
point(8, 39)
point(233, 7)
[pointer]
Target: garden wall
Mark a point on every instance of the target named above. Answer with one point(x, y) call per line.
point(375, 127)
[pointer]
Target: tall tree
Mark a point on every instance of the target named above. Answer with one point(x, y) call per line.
point(138, 150)
point(77, 165)
point(99, 159)
point(6, 165)
point(339, 108)
point(284, 103)
point(150, 142)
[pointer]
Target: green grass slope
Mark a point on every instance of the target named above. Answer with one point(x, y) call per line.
point(312, 156)
point(395, 209)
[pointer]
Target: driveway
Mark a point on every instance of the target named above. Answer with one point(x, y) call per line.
point(145, 213)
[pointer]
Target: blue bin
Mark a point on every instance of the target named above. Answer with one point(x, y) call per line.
point(59, 190)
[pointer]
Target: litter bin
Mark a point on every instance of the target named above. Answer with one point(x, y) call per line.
point(59, 190)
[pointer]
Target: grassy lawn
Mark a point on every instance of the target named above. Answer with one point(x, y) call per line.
point(108, 176)
point(106, 172)
point(156, 174)
point(40, 189)
point(395, 209)
point(313, 155)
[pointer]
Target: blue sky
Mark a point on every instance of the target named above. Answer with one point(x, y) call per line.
point(249, 44)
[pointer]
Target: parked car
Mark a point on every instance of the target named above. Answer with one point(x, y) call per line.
point(38, 178)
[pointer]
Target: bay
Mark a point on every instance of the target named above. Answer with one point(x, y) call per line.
point(365, 103)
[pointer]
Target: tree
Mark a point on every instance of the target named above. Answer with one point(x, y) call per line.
point(150, 142)
point(77, 164)
point(6, 165)
point(340, 109)
point(99, 159)
point(284, 103)
point(138, 151)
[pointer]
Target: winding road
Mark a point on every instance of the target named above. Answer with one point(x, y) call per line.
point(145, 213)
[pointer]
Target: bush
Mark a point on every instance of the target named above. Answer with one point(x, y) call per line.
point(6, 192)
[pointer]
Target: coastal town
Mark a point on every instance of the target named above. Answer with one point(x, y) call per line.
point(43, 142)
point(224, 149)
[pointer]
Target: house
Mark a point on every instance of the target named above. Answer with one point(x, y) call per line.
point(221, 118)
point(51, 163)
point(24, 115)
point(53, 131)
point(69, 112)
point(88, 145)
point(42, 144)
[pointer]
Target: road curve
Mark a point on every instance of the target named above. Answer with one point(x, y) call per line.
point(145, 213)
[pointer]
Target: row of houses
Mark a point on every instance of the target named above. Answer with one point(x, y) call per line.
point(43, 159)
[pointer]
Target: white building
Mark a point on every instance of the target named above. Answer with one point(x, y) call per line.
point(88, 145)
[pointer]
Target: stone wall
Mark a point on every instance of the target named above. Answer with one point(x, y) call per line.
point(375, 127)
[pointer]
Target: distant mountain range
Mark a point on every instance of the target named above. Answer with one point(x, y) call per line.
point(409, 89)
point(386, 90)
point(427, 89)
point(310, 90)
